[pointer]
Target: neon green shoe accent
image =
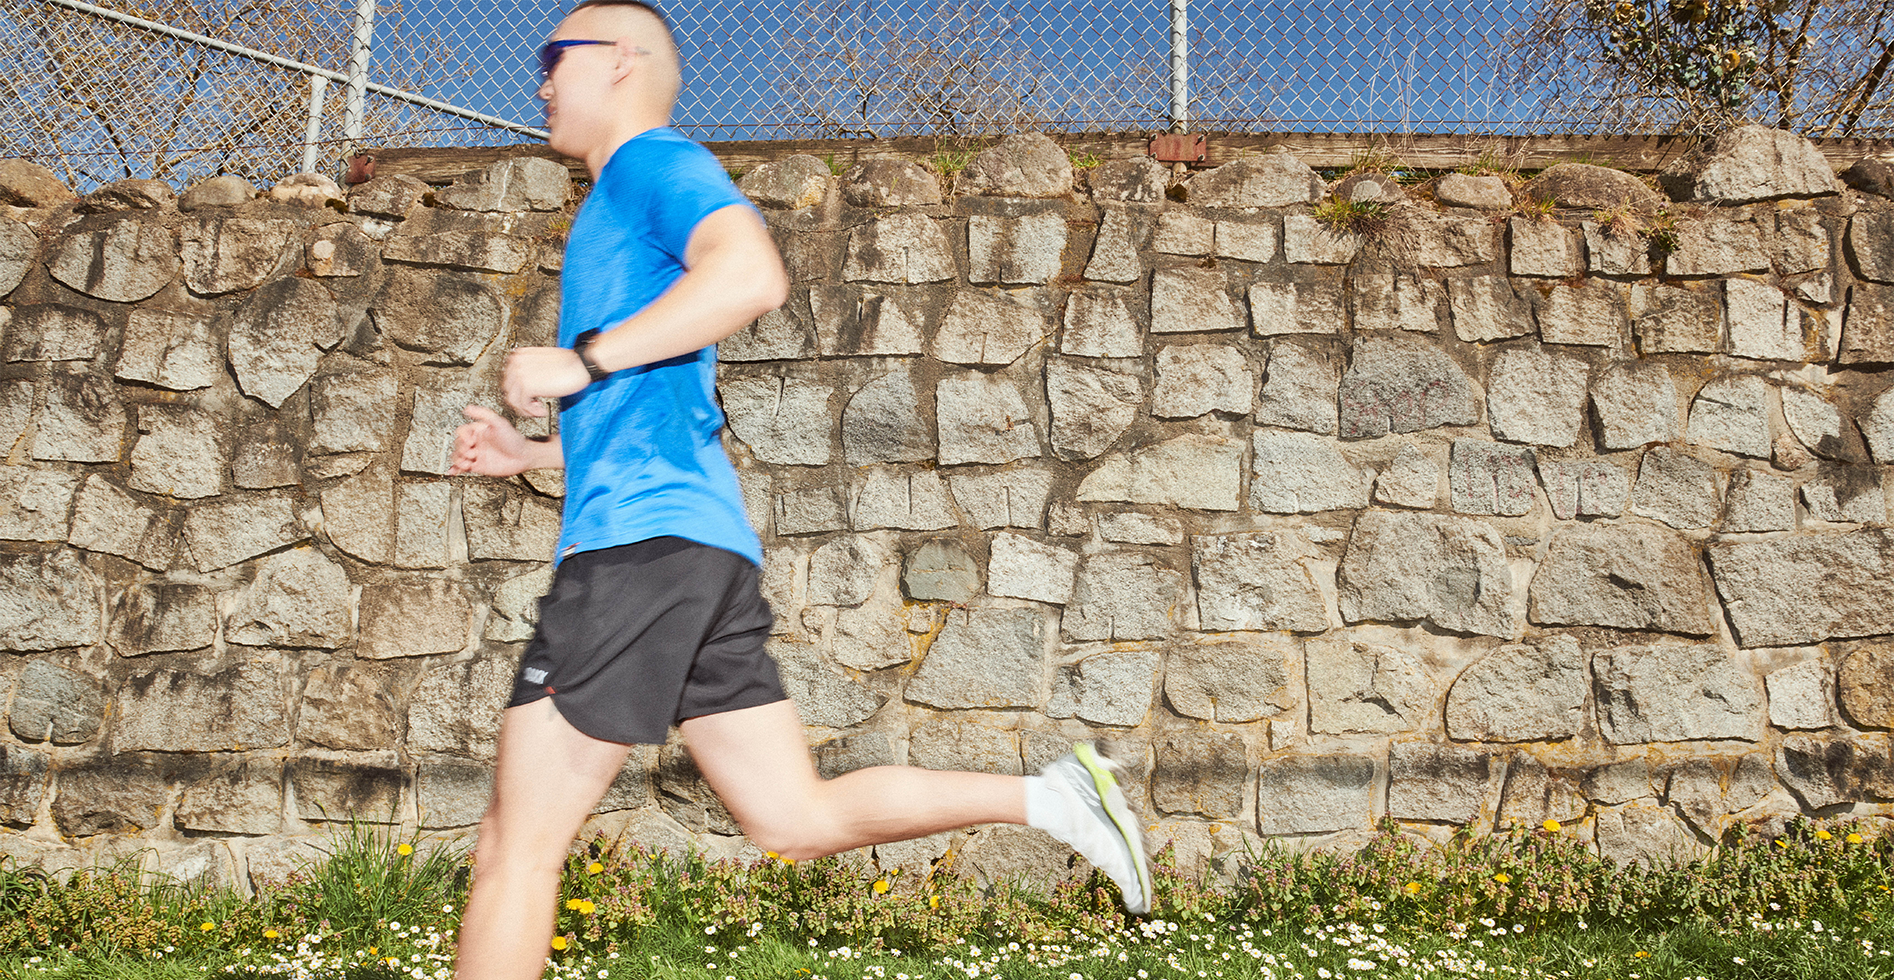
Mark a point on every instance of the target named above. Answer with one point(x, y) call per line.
point(1106, 784)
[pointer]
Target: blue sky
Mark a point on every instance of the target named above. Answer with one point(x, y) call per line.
point(1276, 65)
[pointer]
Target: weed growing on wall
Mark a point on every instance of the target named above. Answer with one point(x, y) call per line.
point(1492, 163)
point(1536, 208)
point(1365, 218)
point(949, 163)
point(1622, 221)
point(1661, 231)
point(1379, 159)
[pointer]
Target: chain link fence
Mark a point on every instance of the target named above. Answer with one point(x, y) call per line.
point(182, 89)
point(185, 89)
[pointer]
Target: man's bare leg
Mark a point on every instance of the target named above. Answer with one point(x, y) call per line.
point(549, 777)
point(758, 762)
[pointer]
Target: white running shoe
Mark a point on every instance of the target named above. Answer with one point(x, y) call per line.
point(1103, 826)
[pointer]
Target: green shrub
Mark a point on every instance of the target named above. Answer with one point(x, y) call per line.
point(117, 908)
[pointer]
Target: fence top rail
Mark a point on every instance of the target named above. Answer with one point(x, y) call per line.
point(1642, 154)
point(264, 57)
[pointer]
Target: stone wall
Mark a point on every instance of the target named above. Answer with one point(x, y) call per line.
point(1488, 512)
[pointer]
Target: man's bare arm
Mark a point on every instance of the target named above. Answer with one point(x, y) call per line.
point(733, 275)
point(489, 445)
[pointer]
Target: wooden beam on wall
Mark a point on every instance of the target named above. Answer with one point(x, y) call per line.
point(444, 165)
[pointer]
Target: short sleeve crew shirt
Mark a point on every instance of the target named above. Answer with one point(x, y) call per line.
point(643, 452)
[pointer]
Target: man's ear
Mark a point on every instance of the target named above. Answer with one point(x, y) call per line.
point(627, 51)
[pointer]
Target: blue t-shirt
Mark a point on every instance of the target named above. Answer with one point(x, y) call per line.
point(642, 448)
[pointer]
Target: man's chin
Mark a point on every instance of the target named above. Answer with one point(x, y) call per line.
point(561, 143)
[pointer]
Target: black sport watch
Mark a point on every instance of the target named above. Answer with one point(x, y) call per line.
point(582, 346)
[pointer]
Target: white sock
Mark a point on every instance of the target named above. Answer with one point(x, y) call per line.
point(1047, 810)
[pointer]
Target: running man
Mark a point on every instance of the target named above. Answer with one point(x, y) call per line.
point(654, 617)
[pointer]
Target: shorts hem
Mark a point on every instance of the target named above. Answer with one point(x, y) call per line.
point(588, 729)
point(756, 700)
point(517, 701)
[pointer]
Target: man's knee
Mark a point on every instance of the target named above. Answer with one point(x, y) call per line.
point(519, 842)
point(798, 833)
point(794, 843)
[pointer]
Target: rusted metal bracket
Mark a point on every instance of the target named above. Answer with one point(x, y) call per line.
point(1180, 147)
point(361, 169)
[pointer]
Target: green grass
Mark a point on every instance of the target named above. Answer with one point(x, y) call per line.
point(373, 876)
point(1812, 904)
point(1157, 949)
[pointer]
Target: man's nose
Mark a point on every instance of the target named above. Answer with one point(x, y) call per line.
point(544, 91)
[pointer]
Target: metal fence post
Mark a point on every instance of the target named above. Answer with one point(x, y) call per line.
point(1180, 66)
point(313, 132)
point(359, 48)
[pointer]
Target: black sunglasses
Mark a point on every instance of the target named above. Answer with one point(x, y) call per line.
point(552, 51)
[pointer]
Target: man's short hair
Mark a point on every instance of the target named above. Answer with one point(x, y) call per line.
point(668, 80)
point(640, 4)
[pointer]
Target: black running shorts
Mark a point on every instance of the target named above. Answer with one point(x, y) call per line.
point(634, 639)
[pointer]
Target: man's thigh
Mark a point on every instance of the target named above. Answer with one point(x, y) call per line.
point(756, 760)
point(549, 777)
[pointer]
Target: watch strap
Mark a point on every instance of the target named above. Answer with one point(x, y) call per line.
point(582, 346)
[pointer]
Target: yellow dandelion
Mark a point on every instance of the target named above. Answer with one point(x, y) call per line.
point(1853, 838)
point(1824, 835)
point(270, 934)
point(404, 850)
point(208, 926)
point(572, 903)
point(1640, 954)
point(1413, 888)
point(373, 951)
point(881, 887)
point(1502, 877)
point(933, 901)
point(1551, 826)
point(594, 868)
point(587, 908)
point(558, 942)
